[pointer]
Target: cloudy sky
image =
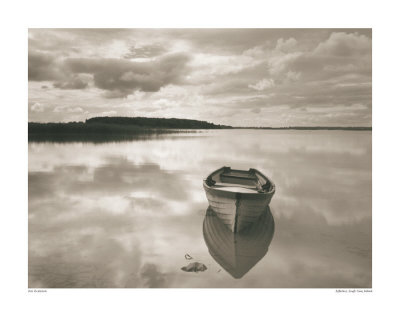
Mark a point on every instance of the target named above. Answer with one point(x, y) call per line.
point(243, 77)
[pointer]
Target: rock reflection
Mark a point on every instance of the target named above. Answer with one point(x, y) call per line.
point(237, 253)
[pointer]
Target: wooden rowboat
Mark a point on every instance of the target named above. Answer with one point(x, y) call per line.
point(238, 197)
point(237, 253)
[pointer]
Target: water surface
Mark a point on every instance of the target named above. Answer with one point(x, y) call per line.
point(124, 214)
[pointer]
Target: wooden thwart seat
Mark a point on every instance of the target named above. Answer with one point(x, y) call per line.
point(224, 184)
point(236, 176)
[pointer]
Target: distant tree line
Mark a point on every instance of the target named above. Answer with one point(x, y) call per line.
point(102, 129)
point(126, 128)
point(172, 123)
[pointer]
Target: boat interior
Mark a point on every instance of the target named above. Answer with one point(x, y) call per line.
point(250, 181)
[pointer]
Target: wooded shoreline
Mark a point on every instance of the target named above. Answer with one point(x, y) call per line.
point(125, 128)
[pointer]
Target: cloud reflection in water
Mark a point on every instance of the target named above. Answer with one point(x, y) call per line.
point(124, 214)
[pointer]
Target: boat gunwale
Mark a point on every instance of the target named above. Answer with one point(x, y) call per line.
point(270, 192)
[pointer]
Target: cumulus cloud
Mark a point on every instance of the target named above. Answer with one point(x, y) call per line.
point(108, 113)
point(206, 67)
point(336, 72)
point(286, 45)
point(344, 44)
point(37, 107)
point(119, 77)
point(122, 77)
point(145, 51)
point(293, 76)
point(279, 62)
point(68, 109)
point(217, 72)
point(74, 82)
point(263, 84)
point(42, 66)
point(341, 53)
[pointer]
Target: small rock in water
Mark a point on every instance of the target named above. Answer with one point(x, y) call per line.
point(188, 257)
point(194, 267)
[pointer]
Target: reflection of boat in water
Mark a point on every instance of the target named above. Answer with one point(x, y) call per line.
point(237, 253)
point(238, 197)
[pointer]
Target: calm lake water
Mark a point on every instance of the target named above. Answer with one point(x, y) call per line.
point(124, 214)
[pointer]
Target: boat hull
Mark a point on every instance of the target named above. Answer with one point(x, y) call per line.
point(235, 209)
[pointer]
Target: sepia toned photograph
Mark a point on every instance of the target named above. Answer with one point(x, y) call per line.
point(200, 158)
